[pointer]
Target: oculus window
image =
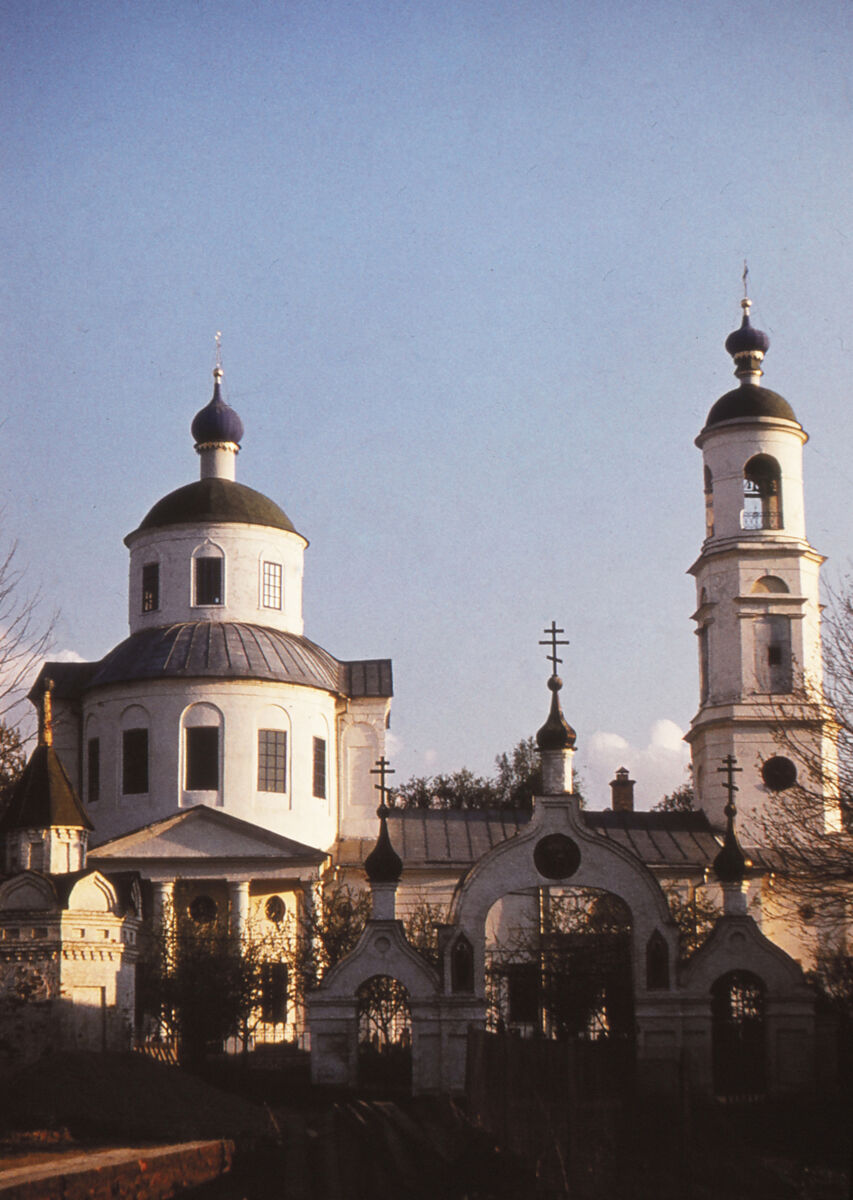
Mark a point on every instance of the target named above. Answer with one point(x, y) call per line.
point(208, 580)
point(134, 762)
point(272, 760)
point(202, 758)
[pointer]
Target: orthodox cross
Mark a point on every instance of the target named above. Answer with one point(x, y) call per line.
point(743, 277)
point(382, 769)
point(219, 351)
point(729, 769)
point(553, 641)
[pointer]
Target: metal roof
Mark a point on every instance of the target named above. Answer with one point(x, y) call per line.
point(222, 650)
point(437, 837)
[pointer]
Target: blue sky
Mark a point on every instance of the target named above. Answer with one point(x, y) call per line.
point(473, 265)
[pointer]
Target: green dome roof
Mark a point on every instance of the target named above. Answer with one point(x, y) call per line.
point(214, 500)
point(750, 400)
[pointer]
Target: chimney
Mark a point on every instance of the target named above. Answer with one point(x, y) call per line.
point(622, 791)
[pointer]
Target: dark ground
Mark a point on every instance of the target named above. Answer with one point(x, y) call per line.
point(296, 1143)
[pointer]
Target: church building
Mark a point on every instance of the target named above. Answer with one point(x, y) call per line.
point(227, 759)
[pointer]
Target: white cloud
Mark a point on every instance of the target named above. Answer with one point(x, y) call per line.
point(657, 768)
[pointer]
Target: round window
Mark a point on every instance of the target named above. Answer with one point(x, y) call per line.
point(779, 773)
point(203, 910)
point(275, 909)
point(556, 856)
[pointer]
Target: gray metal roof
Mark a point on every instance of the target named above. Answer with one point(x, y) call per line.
point(436, 837)
point(223, 650)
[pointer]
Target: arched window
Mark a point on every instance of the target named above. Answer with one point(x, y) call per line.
point(762, 493)
point(773, 669)
point(738, 1035)
point(208, 582)
point(657, 962)
point(134, 751)
point(709, 503)
point(462, 965)
point(202, 749)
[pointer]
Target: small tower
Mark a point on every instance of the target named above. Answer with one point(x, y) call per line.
point(556, 739)
point(757, 587)
point(44, 827)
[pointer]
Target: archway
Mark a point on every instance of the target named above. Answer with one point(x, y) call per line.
point(558, 965)
point(739, 1036)
point(384, 1020)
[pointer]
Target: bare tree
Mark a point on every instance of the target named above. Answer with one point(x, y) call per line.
point(25, 634)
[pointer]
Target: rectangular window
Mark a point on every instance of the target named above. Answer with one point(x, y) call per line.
point(203, 758)
point(272, 585)
point(208, 580)
point(150, 587)
point(36, 856)
point(134, 762)
point(273, 992)
point(272, 760)
point(93, 770)
point(320, 768)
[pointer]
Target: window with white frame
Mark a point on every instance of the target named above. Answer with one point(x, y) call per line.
point(272, 760)
point(271, 585)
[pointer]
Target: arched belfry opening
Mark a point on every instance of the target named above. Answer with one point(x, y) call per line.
point(762, 493)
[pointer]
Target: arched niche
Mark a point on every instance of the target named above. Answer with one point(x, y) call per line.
point(27, 891)
point(769, 584)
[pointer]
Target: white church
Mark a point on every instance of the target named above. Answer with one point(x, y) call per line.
point(224, 759)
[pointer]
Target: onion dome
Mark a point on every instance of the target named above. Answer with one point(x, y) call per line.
point(746, 341)
point(747, 346)
point(556, 733)
point(383, 864)
point(217, 421)
point(730, 864)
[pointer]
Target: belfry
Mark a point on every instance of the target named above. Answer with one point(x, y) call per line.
point(757, 591)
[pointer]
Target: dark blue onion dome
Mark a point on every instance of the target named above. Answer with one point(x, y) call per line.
point(217, 421)
point(556, 733)
point(383, 864)
point(747, 346)
point(746, 341)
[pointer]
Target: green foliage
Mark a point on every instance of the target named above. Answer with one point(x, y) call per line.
point(421, 927)
point(695, 916)
point(517, 779)
point(324, 932)
point(682, 799)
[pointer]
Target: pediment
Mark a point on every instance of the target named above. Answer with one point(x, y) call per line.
point(201, 833)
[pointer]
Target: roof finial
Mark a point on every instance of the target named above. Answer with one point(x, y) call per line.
point(730, 863)
point(746, 345)
point(217, 370)
point(383, 864)
point(556, 733)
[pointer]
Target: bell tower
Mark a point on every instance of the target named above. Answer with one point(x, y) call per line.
point(758, 608)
